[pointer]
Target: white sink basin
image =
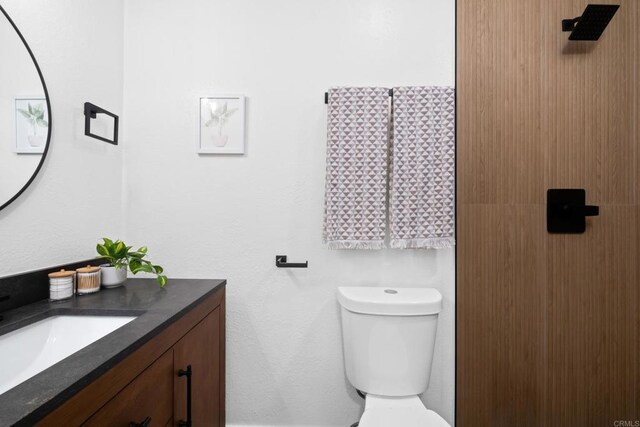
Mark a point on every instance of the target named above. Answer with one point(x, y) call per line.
point(27, 351)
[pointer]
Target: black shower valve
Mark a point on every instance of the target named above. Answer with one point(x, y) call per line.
point(567, 211)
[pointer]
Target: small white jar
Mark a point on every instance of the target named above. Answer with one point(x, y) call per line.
point(61, 285)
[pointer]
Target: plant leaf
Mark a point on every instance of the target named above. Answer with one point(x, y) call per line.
point(162, 280)
point(102, 250)
point(24, 113)
point(147, 268)
point(134, 266)
point(212, 121)
point(120, 250)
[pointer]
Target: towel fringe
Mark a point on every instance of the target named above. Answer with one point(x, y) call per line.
point(356, 244)
point(428, 243)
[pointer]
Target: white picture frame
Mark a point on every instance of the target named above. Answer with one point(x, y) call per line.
point(222, 124)
point(31, 125)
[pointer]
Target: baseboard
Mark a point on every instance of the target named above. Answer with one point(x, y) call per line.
point(265, 425)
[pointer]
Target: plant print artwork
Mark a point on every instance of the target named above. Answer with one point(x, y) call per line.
point(222, 123)
point(220, 114)
point(32, 126)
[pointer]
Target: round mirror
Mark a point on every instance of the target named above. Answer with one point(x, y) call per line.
point(25, 113)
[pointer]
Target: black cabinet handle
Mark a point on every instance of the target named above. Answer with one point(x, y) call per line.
point(186, 373)
point(144, 423)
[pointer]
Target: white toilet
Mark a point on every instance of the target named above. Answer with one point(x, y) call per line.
point(388, 337)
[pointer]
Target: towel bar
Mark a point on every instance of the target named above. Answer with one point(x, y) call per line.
point(326, 96)
point(91, 111)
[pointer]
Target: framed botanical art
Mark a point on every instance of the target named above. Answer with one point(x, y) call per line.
point(222, 125)
point(32, 128)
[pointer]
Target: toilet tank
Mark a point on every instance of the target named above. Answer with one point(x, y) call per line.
point(388, 337)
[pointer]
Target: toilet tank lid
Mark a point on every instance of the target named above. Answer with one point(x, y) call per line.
point(389, 301)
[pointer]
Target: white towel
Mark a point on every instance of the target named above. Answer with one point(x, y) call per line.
point(356, 180)
point(422, 205)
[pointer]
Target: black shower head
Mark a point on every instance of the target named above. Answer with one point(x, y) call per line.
point(592, 23)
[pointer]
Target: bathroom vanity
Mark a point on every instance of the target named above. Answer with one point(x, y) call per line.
point(165, 367)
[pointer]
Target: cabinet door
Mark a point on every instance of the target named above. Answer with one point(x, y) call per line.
point(150, 394)
point(201, 349)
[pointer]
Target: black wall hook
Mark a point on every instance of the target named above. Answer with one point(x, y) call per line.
point(281, 262)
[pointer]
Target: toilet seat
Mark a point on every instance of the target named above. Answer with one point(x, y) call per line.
point(398, 412)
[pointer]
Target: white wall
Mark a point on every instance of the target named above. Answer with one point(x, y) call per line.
point(76, 197)
point(227, 217)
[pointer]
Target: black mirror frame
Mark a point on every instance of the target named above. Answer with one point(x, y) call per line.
point(46, 95)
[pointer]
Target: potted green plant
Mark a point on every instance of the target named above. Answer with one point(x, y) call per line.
point(121, 257)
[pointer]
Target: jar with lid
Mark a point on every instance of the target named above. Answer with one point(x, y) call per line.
point(61, 285)
point(88, 280)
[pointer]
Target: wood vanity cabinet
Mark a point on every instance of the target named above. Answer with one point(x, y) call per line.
point(150, 387)
point(198, 350)
point(149, 395)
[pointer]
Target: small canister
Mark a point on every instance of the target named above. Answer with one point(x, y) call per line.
point(88, 280)
point(61, 285)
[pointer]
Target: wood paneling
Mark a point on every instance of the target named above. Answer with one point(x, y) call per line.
point(547, 325)
point(501, 327)
point(593, 323)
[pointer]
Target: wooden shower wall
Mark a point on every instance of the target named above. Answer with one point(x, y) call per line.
point(548, 326)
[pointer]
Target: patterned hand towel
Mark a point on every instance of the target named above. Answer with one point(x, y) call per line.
point(356, 181)
point(422, 170)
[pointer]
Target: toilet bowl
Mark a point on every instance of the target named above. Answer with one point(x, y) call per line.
point(388, 337)
point(409, 411)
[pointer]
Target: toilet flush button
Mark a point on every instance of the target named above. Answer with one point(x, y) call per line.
point(390, 291)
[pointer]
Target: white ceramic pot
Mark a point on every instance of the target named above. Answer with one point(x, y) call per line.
point(36, 140)
point(220, 140)
point(113, 277)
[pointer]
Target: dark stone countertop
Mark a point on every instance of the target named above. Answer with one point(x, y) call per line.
point(155, 307)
